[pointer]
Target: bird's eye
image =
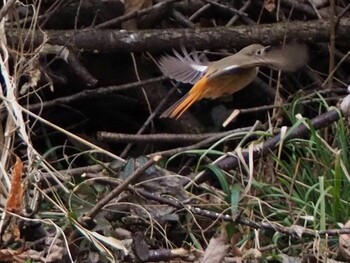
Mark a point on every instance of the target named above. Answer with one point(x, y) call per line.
point(259, 51)
point(263, 50)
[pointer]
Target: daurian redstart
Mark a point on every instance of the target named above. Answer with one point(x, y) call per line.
point(228, 75)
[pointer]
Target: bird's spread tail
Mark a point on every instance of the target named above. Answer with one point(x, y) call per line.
point(179, 107)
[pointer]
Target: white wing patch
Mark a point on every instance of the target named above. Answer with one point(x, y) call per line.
point(200, 68)
point(228, 69)
point(231, 67)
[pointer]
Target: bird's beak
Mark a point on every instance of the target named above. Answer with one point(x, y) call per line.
point(264, 49)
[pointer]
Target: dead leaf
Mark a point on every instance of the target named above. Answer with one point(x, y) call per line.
point(19, 255)
point(8, 255)
point(113, 242)
point(234, 240)
point(269, 5)
point(34, 75)
point(14, 201)
point(288, 259)
point(251, 253)
point(216, 250)
point(55, 253)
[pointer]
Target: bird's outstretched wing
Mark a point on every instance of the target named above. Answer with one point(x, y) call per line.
point(186, 68)
point(287, 58)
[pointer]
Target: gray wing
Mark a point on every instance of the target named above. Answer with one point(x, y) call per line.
point(184, 68)
point(288, 58)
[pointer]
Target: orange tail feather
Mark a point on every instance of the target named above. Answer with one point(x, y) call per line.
point(179, 107)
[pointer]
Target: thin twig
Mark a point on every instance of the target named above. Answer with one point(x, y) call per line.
point(6, 8)
point(231, 9)
point(343, 12)
point(150, 118)
point(231, 161)
point(293, 231)
point(303, 8)
point(159, 137)
point(331, 42)
point(236, 17)
point(80, 70)
point(182, 19)
point(199, 12)
point(116, 191)
point(93, 92)
point(71, 135)
point(330, 75)
point(200, 144)
point(134, 14)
